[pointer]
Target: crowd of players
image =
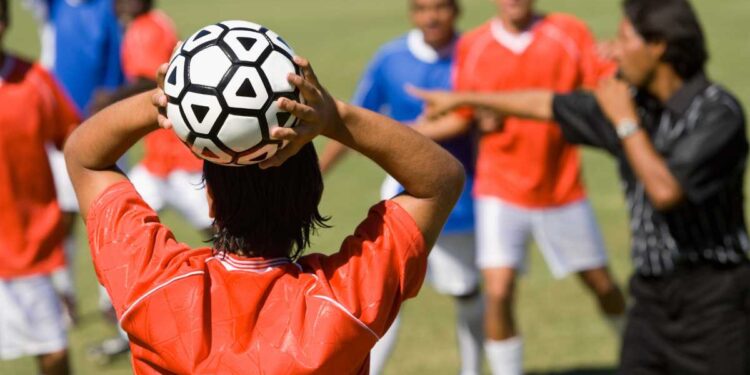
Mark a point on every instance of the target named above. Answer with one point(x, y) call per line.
point(508, 99)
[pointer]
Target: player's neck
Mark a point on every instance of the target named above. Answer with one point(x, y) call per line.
point(438, 45)
point(665, 83)
point(517, 26)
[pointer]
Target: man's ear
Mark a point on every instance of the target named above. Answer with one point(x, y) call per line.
point(657, 49)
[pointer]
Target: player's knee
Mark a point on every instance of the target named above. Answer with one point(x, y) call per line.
point(600, 282)
point(499, 295)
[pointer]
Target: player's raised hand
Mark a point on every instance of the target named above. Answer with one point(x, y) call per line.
point(159, 99)
point(318, 114)
point(436, 103)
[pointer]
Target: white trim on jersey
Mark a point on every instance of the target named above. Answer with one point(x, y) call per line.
point(423, 51)
point(349, 314)
point(517, 43)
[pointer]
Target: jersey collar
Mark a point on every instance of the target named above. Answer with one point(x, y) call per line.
point(234, 262)
point(516, 43)
point(423, 51)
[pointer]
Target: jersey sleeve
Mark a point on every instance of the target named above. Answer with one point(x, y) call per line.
point(582, 121)
point(712, 153)
point(370, 93)
point(60, 114)
point(378, 267)
point(131, 250)
point(145, 48)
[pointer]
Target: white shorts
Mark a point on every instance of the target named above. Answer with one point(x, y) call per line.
point(31, 318)
point(66, 195)
point(451, 266)
point(568, 236)
point(181, 190)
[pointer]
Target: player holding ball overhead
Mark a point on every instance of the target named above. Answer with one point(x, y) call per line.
point(252, 303)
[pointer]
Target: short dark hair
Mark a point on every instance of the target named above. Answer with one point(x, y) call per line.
point(266, 213)
point(4, 15)
point(675, 23)
point(453, 3)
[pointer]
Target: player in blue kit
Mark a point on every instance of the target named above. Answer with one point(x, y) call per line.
point(423, 58)
point(81, 47)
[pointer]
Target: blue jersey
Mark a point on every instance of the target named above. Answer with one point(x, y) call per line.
point(81, 45)
point(409, 60)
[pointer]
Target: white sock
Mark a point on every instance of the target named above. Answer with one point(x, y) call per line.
point(505, 356)
point(384, 347)
point(470, 333)
point(616, 323)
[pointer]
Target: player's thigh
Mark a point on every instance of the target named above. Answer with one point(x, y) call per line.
point(187, 194)
point(31, 318)
point(503, 232)
point(452, 268)
point(66, 195)
point(150, 187)
point(569, 238)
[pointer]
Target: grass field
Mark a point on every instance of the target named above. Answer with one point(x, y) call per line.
point(563, 332)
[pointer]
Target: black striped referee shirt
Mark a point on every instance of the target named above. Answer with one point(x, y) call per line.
point(700, 132)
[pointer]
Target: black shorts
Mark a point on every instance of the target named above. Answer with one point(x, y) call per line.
point(693, 322)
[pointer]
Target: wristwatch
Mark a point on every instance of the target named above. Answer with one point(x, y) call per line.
point(626, 128)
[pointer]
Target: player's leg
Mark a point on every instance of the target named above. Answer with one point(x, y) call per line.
point(502, 234)
point(31, 322)
point(570, 240)
point(63, 278)
point(186, 193)
point(452, 270)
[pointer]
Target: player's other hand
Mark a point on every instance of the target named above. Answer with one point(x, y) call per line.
point(159, 98)
point(436, 103)
point(318, 114)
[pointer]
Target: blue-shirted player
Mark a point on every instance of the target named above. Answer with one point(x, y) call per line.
point(81, 47)
point(423, 58)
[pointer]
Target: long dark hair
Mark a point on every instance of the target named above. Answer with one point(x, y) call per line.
point(675, 23)
point(266, 213)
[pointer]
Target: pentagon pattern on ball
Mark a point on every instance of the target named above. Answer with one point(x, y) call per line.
point(247, 45)
point(174, 83)
point(178, 121)
point(239, 24)
point(201, 111)
point(202, 37)
point(246, 89)
point(207, 149)
point(258, 154)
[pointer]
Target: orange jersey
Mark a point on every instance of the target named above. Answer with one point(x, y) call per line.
point(34, 111)
point(191, 311)
point(148, 43)
point(528, 162)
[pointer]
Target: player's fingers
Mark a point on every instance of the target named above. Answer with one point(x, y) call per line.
point(308, 90)
point(416, 92)
point(284, 134)
point(299, 110)
point(161, 75)
point(307, 70)
point(159, 100)
point(282, 155)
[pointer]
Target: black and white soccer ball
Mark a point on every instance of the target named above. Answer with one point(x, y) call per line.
point(222, 86)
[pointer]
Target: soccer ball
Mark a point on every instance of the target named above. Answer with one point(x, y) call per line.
point(222, 85)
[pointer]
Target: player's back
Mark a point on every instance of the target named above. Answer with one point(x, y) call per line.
point(34, 111)
point(194, 311)
point(528, 162)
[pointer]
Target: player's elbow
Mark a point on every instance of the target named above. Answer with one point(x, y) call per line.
point(454, 179)
point(70, 148)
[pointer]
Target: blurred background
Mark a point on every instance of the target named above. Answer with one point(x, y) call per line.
point(562, 329)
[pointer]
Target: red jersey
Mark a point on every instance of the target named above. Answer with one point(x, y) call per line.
point(148, 43)
point(528, 163)
point(34, 111)
point(192, 311)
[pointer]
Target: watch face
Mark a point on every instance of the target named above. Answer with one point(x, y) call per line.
point(626, 128)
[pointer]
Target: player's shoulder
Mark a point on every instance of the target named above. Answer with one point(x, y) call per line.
point(393, 48)
point(475, 34)
point(567, 23)
point(154, 21)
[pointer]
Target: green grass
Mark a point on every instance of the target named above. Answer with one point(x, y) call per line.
point(560, 323)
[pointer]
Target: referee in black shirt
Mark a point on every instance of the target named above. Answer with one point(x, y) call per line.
point(681, 147)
